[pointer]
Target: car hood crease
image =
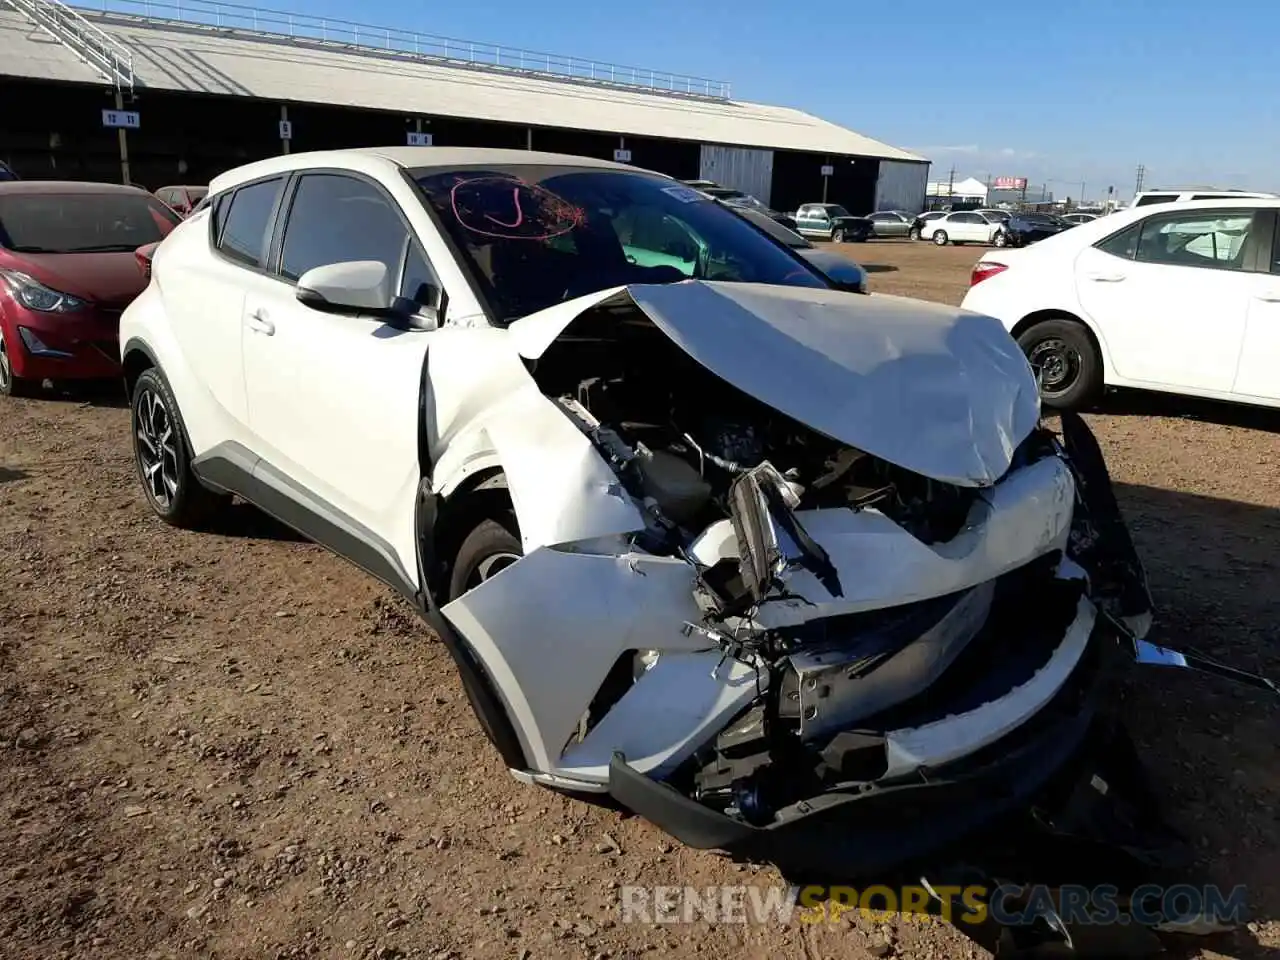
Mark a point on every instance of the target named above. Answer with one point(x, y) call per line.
point(936, 390)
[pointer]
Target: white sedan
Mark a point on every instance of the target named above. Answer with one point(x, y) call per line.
point(581, 417)
point(1181, 298)
point(964, 226)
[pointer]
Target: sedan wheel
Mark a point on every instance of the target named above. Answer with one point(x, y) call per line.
point(10, 386)
point(1000, 239)
point(1065, 361)
point(940, 238)
point(837, 236)
point(913, 233)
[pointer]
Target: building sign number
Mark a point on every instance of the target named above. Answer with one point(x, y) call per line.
point(121, 119)
point(828, 170)
point(622, 156)
point(419, 139)
point(286, 129)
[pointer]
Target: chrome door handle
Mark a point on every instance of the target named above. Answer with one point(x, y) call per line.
point(259, 323)
point(1105, 277)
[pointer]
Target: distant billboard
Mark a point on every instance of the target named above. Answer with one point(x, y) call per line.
point(1009, 183)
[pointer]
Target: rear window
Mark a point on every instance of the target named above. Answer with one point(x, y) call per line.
point(82, 223)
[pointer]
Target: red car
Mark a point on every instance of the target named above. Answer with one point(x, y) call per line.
point(67, 271)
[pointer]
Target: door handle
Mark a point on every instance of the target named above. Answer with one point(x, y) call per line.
point(1269, 296)
point(1105, 277)
point(259, 322)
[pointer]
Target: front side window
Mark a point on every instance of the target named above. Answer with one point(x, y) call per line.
point(837, 211)
point(1205, 238)
point(335, 219)
point(243, 221)
point(534, 236)
point(82, 222)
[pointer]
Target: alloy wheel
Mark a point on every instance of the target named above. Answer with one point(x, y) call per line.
point(490, 567)
point(1057, 365)
point(6, 368)
point(157, 445)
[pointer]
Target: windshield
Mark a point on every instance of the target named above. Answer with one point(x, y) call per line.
point(535, 236)
point(82, 222)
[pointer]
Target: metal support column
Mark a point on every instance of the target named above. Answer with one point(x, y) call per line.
point(124, 142)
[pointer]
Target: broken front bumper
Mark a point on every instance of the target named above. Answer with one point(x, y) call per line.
point(912, 811)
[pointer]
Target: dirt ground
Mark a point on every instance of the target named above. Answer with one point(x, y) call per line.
point(234, 745)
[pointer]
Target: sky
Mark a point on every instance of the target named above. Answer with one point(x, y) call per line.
point(1059, 93)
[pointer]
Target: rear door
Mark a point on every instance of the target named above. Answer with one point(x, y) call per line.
point(206, 297)
point(1170, 294)
point(1256, 376)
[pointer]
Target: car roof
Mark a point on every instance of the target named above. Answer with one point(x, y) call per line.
point(65, 187)
point(380, 159)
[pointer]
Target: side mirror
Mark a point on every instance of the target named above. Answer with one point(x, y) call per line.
point(356, 286)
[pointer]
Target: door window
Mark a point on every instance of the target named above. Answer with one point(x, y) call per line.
point(336, 219)
point(967, 218)
point(1123, 244)
point(245, 217)
point(1204, 238)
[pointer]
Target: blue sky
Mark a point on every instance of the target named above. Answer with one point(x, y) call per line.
point(1069, 91)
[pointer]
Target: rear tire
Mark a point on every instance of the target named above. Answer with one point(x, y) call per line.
point(940, 238)
point(163, 457)
point(1066, 361)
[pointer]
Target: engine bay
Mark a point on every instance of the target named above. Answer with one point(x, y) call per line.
point(679, 436)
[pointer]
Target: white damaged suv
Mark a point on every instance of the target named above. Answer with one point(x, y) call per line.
point(771, 563)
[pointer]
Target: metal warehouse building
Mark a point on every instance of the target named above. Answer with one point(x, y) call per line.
point(175, 91)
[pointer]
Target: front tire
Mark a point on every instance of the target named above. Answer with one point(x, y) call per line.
point(163, 458)
point(913, 233)
point(940, 238)
point(1066, 361)
point(490, 547)
point(1001, 239)
point(11, 385)
point(837, 236)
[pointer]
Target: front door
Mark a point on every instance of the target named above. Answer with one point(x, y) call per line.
point(1169, 296)
point(333, 399)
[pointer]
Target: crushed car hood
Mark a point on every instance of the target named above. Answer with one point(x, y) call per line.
point(936, 390)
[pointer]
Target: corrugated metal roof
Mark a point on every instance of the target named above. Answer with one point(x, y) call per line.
point(27, 51)
point(169, 55)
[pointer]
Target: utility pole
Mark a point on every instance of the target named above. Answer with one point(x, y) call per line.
point(1137, 187)
point(951, 187)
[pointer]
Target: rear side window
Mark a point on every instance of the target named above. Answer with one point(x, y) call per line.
point(1156, 198)
point(243, 221)
point(1123, 244)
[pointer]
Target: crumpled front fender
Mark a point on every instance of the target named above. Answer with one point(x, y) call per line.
point(484, 411)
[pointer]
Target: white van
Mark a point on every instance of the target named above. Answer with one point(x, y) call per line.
point(1177, 196)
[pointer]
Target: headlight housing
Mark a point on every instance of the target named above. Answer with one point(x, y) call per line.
point(34, 295)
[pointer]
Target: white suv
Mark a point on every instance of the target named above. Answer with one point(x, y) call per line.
point(582, 418)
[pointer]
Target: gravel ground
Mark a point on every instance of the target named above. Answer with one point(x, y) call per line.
point(234, 745)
